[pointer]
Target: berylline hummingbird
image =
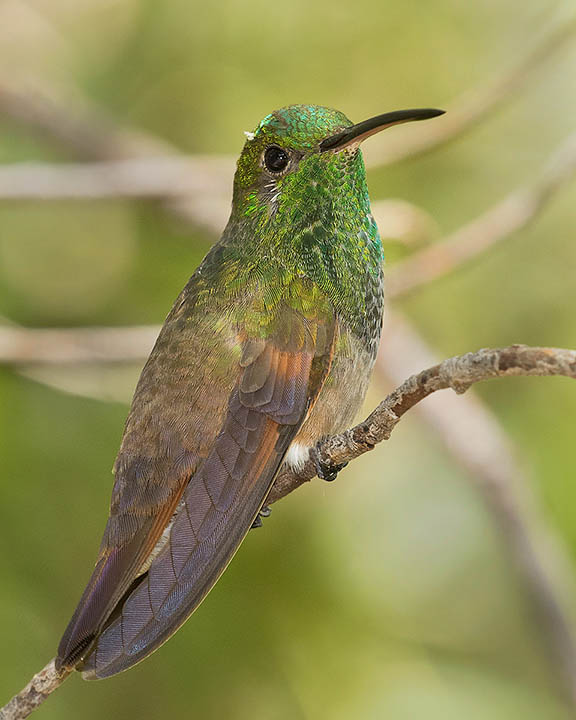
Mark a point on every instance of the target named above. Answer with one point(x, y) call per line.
point(267, 350)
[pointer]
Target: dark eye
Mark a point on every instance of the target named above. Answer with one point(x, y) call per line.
point(276, 159)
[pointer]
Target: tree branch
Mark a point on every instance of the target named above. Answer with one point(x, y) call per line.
point(467, 428)
point(86, 129)
point(193, 185)
point(458, 373)
point(473, 106)
point(34, 694)
point(80, 126)
point(508, 216)
point(150, 177)
point(52, 346)
point(89, 134)
point(191, 182)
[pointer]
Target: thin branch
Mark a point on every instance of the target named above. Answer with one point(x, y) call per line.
point(34, 694)
point(191, 184)
point(24, 346)
point(472, 107)
point(74, 122)
point(182, 181)
point(466, 427)
point(81, 126)
point(193, 188)
point(151, 177)
point(458, 373)
point(97, 363)
point(508, 216)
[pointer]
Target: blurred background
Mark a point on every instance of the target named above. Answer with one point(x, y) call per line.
point(398, 591)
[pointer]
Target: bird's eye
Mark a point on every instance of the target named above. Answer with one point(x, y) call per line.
point(275, 159)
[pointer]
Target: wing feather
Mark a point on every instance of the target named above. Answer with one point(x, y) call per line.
point(230, 488)
point(168, 539)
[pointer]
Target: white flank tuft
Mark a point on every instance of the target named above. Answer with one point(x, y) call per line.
point(297, 456)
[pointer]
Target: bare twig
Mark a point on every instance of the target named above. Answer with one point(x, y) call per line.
point(194, 181)
point(91, 136)
point(20, 345)
point(467, 428)
point(496, 224)
point(74, 122)
point(34, 694)
point(81, 126)
point(191, 181)
point(472, 107)
point(151, 177)
point(193, 188)
point(458, 373)
point(98, 363)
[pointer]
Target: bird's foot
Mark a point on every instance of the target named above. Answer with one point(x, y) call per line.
point(325, 471)
point(265, 512)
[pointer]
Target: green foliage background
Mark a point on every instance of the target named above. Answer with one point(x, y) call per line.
point(388, 594)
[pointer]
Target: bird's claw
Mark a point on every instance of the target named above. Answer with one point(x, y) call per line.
point(265, 512)
point(325, 471)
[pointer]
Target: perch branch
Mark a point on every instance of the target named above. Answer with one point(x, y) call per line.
point(34, 694)
point(458, 373)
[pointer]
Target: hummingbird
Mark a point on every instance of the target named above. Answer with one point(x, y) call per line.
point(267, 350)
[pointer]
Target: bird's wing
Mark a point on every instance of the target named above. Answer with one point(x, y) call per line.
point(191, 523)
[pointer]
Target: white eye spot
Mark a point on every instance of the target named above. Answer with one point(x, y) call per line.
point(249, 135)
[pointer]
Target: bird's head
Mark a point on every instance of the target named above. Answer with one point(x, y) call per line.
point(301, 153)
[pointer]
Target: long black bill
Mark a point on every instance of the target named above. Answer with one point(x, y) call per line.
point(362, 130)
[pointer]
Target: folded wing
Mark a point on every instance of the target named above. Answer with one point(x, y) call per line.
point(126, 613)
